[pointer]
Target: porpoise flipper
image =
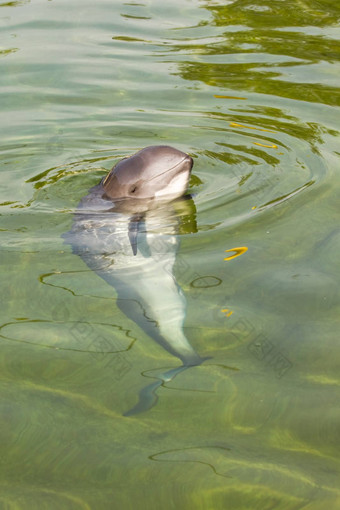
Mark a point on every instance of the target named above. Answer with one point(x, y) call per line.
point(135, 226)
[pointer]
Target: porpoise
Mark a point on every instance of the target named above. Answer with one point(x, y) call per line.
point(125, 230)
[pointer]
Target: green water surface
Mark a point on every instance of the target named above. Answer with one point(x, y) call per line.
point(251, 90)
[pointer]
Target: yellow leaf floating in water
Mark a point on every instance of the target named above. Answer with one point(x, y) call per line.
point(268, 146)
point(238, 251)
point(230, 97)
point(235, 124)
point(227, 312)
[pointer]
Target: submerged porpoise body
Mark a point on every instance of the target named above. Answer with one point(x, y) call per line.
point(125, 231)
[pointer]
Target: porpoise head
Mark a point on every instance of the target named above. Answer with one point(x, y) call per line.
point(156, 172)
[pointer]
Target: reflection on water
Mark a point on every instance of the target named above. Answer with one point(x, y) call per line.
point(250, 90)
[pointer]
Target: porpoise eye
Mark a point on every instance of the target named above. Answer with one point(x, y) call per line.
point(133, 189)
